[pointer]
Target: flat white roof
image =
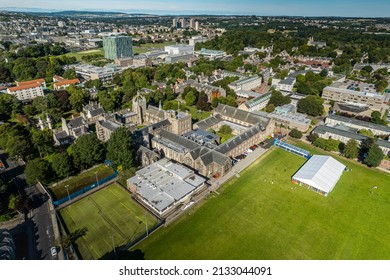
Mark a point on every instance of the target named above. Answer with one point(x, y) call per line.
point(320, 172)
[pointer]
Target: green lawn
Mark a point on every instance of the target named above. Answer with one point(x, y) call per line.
point(157, 45)
point(253, 218)
point(78, 55)
point(112, 219)
point(198, 116)
point(81, 181)
point(225, 137)
point(139, 50)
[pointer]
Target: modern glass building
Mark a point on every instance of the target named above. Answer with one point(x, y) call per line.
point(117, 47)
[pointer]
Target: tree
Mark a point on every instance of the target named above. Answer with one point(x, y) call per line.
point(367, 69)
point(3, 187)
point(106, 101)
point(351, 149)
point(70, 74)
point(312, 137)
point(277, 99)
point(14, 202)
point(202, 103)
point(120, 148)
point(366, 145)
point(366, 132)
point(8, 105)
point(225, 129)
point(63, 99)
point(374, 156)
point(377, 118)
point(62, 165)
point(311, 105)
point(43, 141)
point(190, 98)
point(327, 144)
point(77, 98)
point(270, 108)
point(19, 146)
point(87, 151)
point(295, 133)
point(38, 170)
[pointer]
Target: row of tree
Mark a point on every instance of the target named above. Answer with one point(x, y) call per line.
point(86, 152)
point(368, 151)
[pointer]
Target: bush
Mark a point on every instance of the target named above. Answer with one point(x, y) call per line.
point(327, 144)
point(295, 133)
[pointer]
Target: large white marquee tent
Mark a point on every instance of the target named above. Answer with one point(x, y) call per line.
point(319, 173)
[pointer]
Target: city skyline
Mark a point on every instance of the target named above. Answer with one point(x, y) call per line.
point(346, 8)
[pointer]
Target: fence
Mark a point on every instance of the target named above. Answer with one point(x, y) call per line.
point(86, 189)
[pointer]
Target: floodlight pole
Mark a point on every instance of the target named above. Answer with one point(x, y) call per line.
point(146, 226)
point(113, 245)
point(97, 182)
point(67, 191)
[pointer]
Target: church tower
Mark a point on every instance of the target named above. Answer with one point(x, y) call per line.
point(139, 107)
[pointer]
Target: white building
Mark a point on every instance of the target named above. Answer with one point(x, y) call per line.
point(179, 49)
point(257, 103)
point(197, 39)
point(28, 90)
point(247, 83)
point(196, 25)
point(90, 72)
point(211, 54)
point(164, 186)
point(286, 85)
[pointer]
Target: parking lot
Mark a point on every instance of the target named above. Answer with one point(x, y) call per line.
point(242, 164)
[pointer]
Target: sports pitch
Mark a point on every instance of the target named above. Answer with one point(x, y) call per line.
point(262, 215)
point(112, 219)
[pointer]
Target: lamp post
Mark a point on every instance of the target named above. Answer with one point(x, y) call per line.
point(67, 191)
point(146, 226)
point(97, 182)
point(113, 245)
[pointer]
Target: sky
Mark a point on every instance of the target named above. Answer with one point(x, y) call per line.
point(355, 8)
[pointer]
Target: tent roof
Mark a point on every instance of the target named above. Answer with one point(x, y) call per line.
point(321, 172)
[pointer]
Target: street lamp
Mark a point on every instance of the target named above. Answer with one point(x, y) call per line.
point(113, 245)
point(146, 225)
point(97, 182)
point(67, 191)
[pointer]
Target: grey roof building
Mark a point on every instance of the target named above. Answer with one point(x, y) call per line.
point(256, 103)
point(358, 124)
point(165, 185)
point(344, 136)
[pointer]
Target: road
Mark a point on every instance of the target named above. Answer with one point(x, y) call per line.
point(40, 227)
point(38, 222)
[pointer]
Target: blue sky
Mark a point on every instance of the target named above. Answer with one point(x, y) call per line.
point(359, 8)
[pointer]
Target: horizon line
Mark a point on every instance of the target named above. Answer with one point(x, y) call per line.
point(170, 13)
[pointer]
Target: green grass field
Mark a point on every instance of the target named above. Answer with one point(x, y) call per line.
point(253, 218)
point(78, 55)
point(81, 181)
point(225, 137)
point(112, 219)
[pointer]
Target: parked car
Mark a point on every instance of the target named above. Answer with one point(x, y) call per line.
point(53, 251)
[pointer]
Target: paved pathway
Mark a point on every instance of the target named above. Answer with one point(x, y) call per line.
point(240, 166)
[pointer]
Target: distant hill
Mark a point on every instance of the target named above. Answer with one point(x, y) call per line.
point(72, 13)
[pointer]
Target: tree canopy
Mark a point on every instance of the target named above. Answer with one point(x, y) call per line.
point(120, 148)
